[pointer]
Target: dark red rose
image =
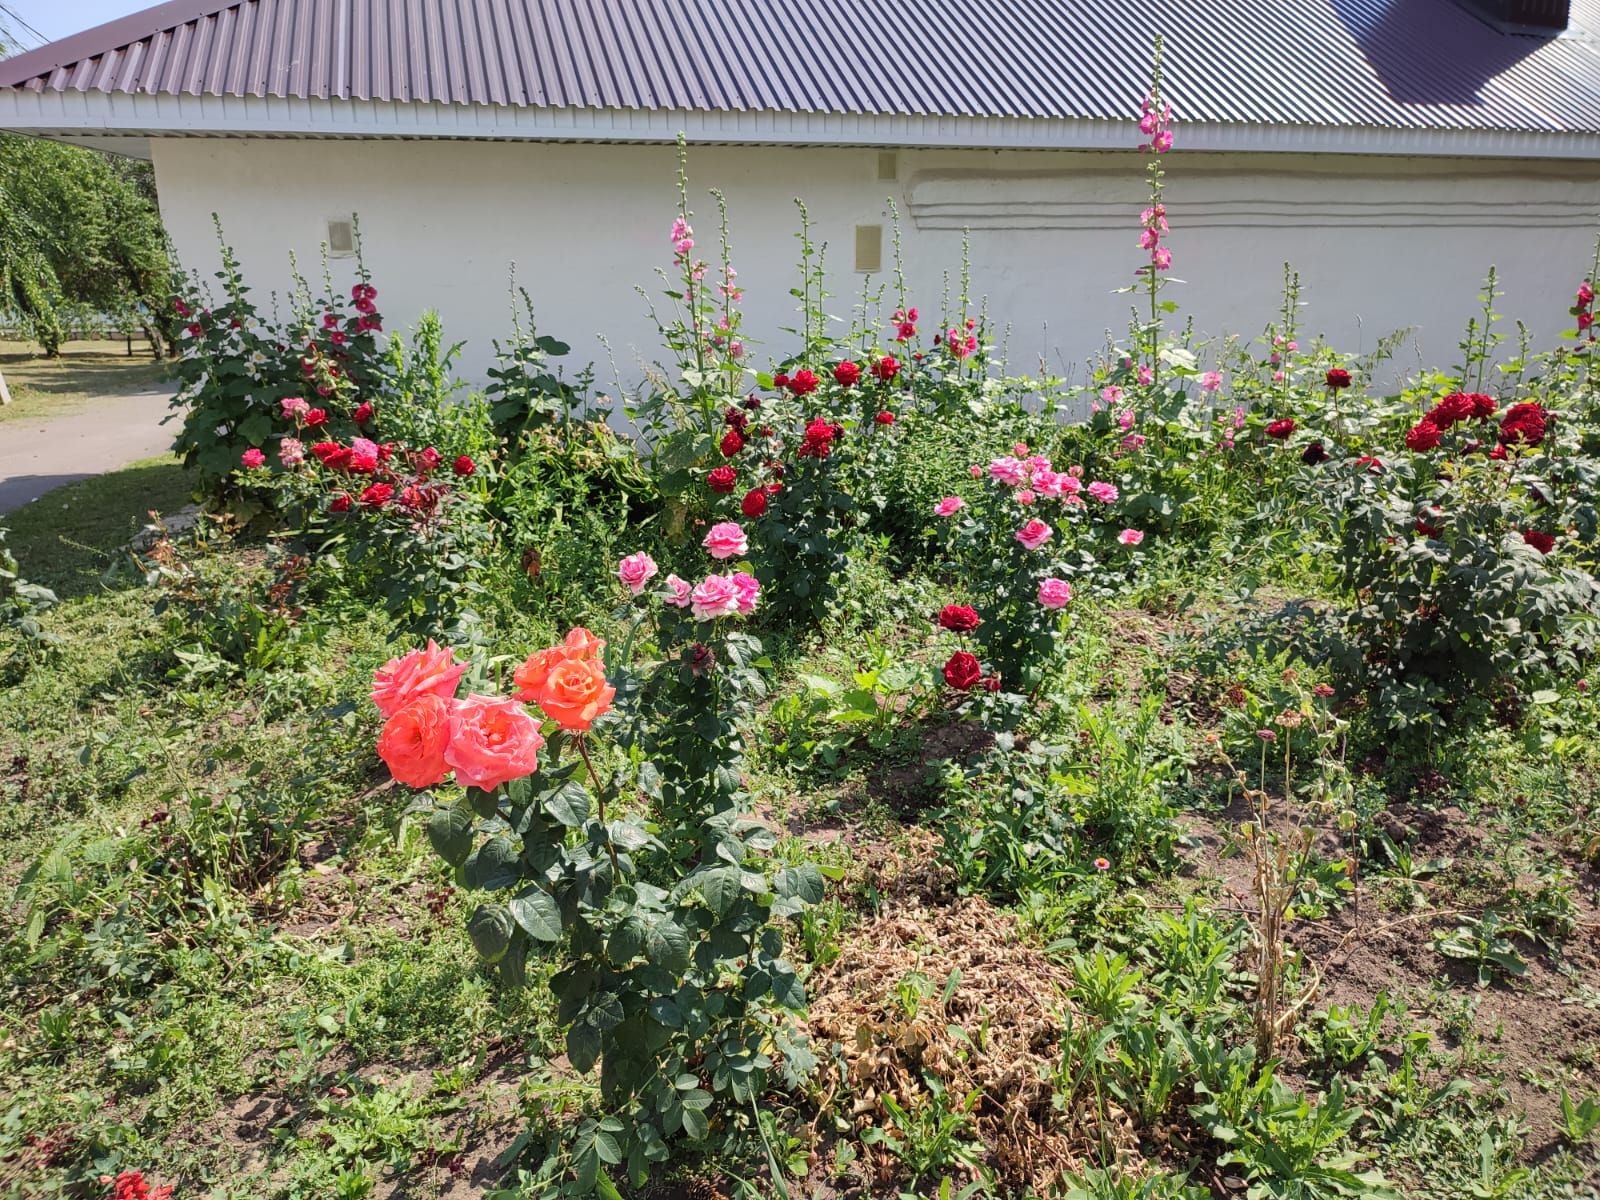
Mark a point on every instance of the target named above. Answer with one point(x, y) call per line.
point(991, 683)
point(464, 466)
point(847, 374)
point(430, 458)
point(735, 418)
point(722, 480)
point(196, 329)
point(1524, 423)
point(732, 443)
point(1422, 436)
point(1539, 540)
point(959, 618)
point(780, 380)
point(803, 382)
point(1281, 429)
point(754, 503)
point(1338, 378)
point(341, 503)
point(1457, 406)
point(1426, 529)
point(884, 418)
point(363, 412)
point(1313, 454)
point(752, 403)
point(962, 671)
point(377, 495)
point(886, 368)
point(1482, 406)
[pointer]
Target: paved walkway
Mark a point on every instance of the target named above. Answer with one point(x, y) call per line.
point(39, 454)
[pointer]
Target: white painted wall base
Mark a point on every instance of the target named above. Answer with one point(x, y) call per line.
point(1380, 243)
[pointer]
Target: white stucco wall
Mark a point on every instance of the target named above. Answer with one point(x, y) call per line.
point(1379, 243)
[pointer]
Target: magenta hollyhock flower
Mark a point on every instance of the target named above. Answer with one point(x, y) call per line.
point(1211, 381)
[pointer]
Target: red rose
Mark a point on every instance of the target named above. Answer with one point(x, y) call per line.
point(377, 495)
point(363, 412)
point(885, 368)
point(1482, 406)
point(803, 383)
point(1281, 429)
point(1523, 423)
point(780, 380)
point(991, 683)
point(735, 418)
point(1313, 454)
point(332, 455)
point(847, 374)
point(959, 618)
point(884, 418)
point(464, 466)
point(754, 503)
point(819, 438)
point(1539, 540)
point(1457, 406)
point(316, 417)
point(721, 480)
point(1424, 435)
point(341, 503)
point(430, 457)
point(1338, 378)
point(1371, 464)
point(732, 443)
point(962, 671)
point(1426, 529)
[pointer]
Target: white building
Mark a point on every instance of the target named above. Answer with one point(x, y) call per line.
point(1392, 150)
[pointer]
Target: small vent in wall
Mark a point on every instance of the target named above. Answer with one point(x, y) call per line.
point(341, 236)
point(888, 166)
point(869, 248)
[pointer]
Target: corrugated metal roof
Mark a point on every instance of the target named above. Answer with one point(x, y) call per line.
point(1410, 64)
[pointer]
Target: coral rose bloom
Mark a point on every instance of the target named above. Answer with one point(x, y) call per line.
point(530, 677)
point(414, 740)
point(433, 671)
point(575, 694)
point(493, 740)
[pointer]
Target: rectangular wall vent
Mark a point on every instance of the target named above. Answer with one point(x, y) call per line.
point(869, 248)
point(341, 236)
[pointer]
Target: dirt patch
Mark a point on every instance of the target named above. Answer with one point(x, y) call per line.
point(952, 995)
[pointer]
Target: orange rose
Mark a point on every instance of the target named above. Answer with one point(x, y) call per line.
point(530, 677)
point(414, 740)
point(575, 693)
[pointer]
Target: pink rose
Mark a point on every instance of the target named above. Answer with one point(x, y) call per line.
point(1054, 593)
point(975, 471)
point(715, 596)
point(1106, 493)
point(635, 571)
point(253, 458)
point(1130, 537)
point(363, 455)
point(680, 592)
point(432, 671)
point(1026, 496)
point(493, 740)
point(1008, 470)
point(1035, 534)
point(291, 452)
point(748, 589)
point(292, 407)
point(949, 506)
point(726, 540)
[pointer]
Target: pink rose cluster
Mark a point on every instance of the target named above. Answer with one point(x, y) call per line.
point(734, 594)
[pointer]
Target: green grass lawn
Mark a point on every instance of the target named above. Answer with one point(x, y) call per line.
point(43, 387)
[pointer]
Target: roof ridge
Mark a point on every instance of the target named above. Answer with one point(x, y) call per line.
point(109, 36)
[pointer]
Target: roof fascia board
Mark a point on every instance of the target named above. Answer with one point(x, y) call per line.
point(229, 116)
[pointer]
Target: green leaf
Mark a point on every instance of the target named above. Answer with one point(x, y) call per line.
point(538, 914)
point(569, 804)
point(583, 1047)
point(721, 889)
point(495, 865)
point(490, 929)
point(450, 831)
point(695, 1124)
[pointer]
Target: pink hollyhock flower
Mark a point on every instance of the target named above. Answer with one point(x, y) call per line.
point(1034, 534)
point(1130, 537)
point(1125, 419)
point(635, 571)
point(1054, 593)
point(291, 452)
point(1111, 395)
point(493, 740)
point(1211, 381)
point(1106, 493)
point(1134, 441)
point(748, 590)
point(1009, 471)
point(1146, 376)
point(292, 407)
point(949, 506)
point(1161, 258)
point(431, 671)
point(726, 540)
point(363, 455)
point(681, 591)
point(1149, 239)
point(1026, 496)
point(715, 596)
point(253, 458)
